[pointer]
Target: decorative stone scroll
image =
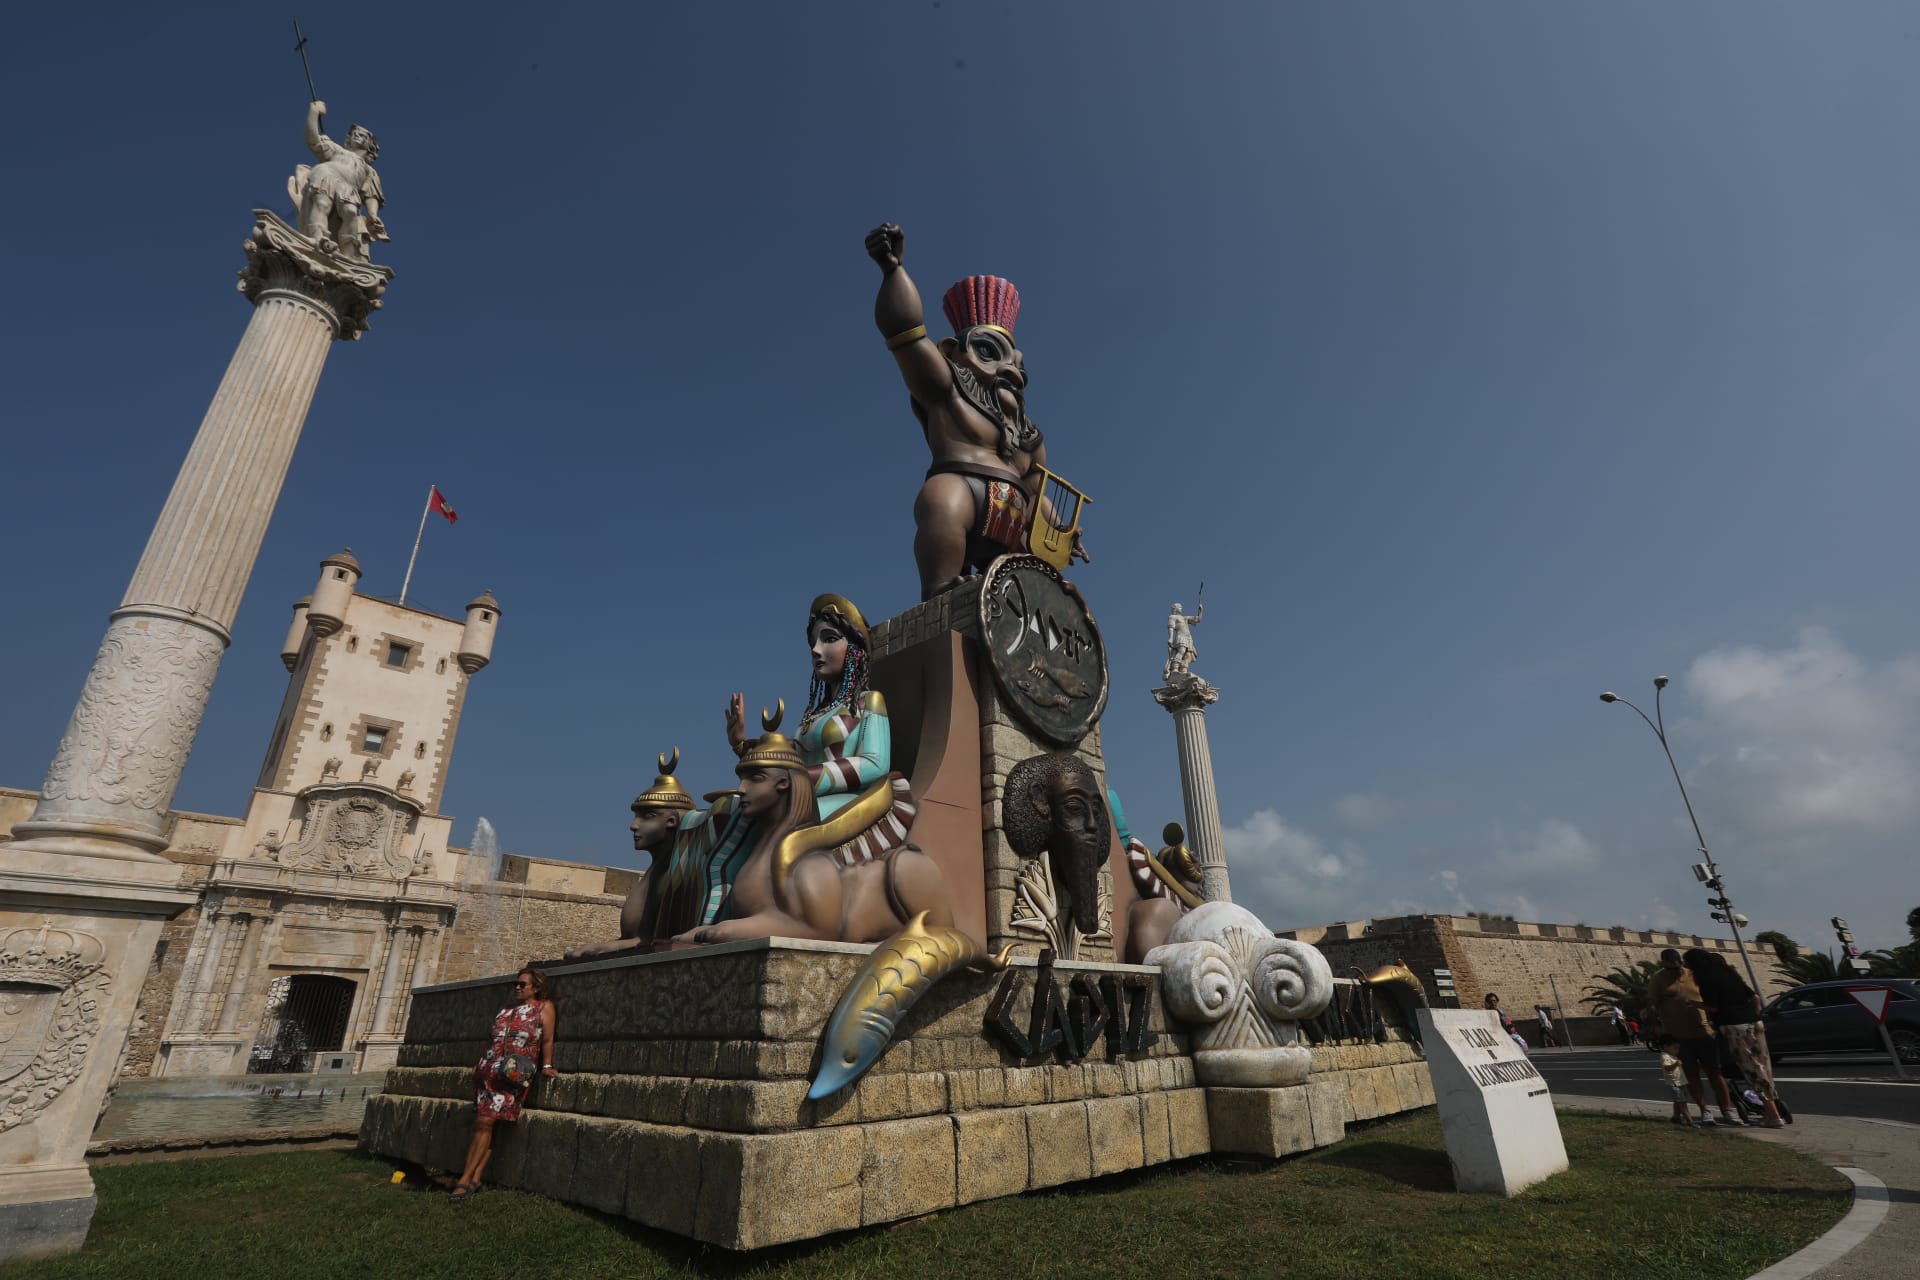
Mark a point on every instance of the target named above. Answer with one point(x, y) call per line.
point(355, 827)
point(1045, 650)
point(1246, 991)
point(52, 989)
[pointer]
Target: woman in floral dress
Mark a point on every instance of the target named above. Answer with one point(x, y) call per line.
point(522, 1046)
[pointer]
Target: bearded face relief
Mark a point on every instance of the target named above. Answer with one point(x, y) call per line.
point(1245, 992)
point(1054, 806)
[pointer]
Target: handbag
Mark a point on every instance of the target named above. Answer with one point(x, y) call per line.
point(516, 1069)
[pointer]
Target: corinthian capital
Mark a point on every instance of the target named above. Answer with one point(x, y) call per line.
point(281, 260)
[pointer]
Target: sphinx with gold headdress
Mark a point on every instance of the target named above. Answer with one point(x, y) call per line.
point(780, 870)
point(664, 820)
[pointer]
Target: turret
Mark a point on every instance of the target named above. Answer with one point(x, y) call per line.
point(296, 634)
point(327, 608)
point(476, 642)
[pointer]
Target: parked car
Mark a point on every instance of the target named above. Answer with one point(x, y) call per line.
point(1822, 1018)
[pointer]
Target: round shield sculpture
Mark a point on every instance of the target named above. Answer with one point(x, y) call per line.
point(1044, 648)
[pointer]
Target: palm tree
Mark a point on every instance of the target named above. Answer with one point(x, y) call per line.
point(1627, 988)
point(1894, 962)
point(1809, 966)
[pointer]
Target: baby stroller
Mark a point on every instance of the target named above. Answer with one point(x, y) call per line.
point(1746, 1098)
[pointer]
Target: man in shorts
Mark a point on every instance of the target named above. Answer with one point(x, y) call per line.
point(1683, 1015)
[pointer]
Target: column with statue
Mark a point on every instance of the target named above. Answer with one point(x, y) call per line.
point(1186, 697)
point(84, 886)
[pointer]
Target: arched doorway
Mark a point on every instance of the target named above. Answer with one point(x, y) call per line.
point(306, 1016)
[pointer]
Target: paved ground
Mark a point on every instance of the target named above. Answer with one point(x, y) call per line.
point(1887, 1149)
point(1812, 1086)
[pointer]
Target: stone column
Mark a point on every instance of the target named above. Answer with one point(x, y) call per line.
point(242, 974)
point(84, 889)
point(1187, 700)
point(113, 776)
point(389, 977)
point(200, 1018)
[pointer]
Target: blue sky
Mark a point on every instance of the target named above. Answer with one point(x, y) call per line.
point(1479, 357)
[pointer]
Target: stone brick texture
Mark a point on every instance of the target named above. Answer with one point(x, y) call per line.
point(508, 925)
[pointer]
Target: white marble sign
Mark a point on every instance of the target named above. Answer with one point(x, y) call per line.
point(1495, 1111)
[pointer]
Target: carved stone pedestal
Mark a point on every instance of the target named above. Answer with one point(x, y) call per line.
point(73, 954)
point(682, 1102)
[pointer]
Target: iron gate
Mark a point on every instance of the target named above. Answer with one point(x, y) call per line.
point(305, 1018)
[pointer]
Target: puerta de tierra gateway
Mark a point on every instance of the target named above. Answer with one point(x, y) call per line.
point(911, 955)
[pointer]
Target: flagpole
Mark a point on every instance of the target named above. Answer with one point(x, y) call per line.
point(424, 513)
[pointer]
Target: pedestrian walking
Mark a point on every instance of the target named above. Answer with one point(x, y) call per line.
point(1506, 1024)
point(1619, 1017)
point(1544, 1016)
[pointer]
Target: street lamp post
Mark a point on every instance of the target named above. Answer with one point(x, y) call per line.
point(1713, 879)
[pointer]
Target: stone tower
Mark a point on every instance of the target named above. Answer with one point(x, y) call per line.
point(337, 886)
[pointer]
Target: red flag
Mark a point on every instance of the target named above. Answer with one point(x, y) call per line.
point(437, 501)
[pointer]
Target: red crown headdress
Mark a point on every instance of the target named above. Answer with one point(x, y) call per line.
point(982, 300)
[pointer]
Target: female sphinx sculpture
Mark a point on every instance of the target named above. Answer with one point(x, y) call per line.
point(786, 872)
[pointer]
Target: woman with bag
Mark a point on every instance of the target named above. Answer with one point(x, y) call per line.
point(522, 1048)
point(1735, 1010)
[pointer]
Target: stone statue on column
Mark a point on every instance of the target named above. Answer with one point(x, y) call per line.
point(1180, 650)
point(337, 202)
point(1186, 697)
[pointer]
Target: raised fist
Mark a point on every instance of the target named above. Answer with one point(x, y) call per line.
point(319, 107)
point(886, 244)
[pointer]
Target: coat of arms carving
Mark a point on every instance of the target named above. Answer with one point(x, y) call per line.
point(52, 987)
point(356, 827)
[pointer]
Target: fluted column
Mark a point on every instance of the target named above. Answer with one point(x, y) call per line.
point(236, 994)
point(218, 922)
point(1188, 701)
point(389, 978)
point(114, 773)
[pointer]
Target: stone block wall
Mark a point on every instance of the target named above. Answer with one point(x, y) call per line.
point(507, 924)
point(1520, 960)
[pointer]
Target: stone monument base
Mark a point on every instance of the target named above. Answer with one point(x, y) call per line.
point(682, 1104)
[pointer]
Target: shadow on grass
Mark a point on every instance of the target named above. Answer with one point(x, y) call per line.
point(1421, 1168)
point(1777, 1193)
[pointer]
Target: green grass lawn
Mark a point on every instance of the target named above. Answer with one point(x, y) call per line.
point(1643, 1200)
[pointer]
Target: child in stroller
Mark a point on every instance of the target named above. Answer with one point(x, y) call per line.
point(1746, 1099)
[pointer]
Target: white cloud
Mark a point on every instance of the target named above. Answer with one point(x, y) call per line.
point(1802, 763)
point(1287, 876)
point(1809, 741)
point(1558, 848)
point(1365, 811)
